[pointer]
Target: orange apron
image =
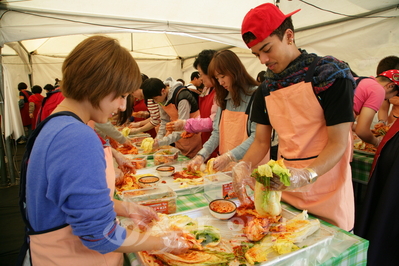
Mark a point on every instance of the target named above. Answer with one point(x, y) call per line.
point(233, 132)
point(190, 146)
point(62, 247)
point(298, 118)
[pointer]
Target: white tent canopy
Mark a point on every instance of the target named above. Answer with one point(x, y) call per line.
point(165, 36)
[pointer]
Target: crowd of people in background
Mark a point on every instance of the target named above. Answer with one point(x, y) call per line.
point(304, 108)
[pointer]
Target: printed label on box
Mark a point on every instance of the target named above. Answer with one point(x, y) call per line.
point(227, 191)
point(161, 207)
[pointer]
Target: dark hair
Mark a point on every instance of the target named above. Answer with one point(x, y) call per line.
point(123, 116)
point(37, 89)
point(181, 80)
point(227, 63)
point(152, 87)
point(388, 63)
point(261, 76)
point(22, 86)
point(49, 87)
point(97, 67)
point(144, 77)
point(195, 74)
point(204, 59)
point(280, 31)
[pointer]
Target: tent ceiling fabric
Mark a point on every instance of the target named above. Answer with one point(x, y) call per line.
point(214, 24)
point(165, 36)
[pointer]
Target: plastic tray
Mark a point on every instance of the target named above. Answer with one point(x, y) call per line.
point(169, 158)
point(161, 198)
point(315, 244)
point(219, 186)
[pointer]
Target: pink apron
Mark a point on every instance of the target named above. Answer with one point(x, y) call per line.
point(190, 146)
point(62, 247)
point(298, 118)
point(233, 132)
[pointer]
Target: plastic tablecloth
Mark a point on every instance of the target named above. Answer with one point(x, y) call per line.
point(361, 166)
point(345, 248)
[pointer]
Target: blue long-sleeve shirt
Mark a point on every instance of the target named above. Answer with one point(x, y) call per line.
point(66, 184)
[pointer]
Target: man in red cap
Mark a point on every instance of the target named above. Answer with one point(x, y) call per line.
point(369, 96)
point(308, 100)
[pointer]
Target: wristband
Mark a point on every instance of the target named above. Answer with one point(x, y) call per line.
point(313, 175)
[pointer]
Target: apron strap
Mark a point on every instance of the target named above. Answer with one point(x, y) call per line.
point(311, 69)
point(25, 161)
point(248, 111)
point(390, 134)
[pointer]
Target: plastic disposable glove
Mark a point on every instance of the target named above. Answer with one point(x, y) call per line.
point(299, 178)
point(119, 176)
point(222, 161)
point(242, 177)
point(134, 125)
point(195, 163)
point(124, 164)
point(142, 216)
point(155, 145)
point(128, 144)
point(377, 143)
point(177, 125)
point(175, 243)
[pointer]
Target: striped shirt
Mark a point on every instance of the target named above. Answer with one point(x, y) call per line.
point(153, 108)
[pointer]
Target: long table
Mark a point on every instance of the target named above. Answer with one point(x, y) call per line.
point(355, 251)
point(355, 254)
point(361, 166)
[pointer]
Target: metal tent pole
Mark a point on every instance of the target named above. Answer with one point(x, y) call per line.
point(5, 150)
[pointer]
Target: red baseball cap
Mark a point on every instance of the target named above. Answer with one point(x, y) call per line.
point(392, 74)
point(262, 21)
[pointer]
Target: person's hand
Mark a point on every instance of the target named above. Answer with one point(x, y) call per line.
point(128, 144)
point(142, 216)
point(119, 176)
point(242, 177)
point(299, 178)
point(222, 161)
point(31, 115)
point(177, 125)
point(195, 163)
point(378, 141)
point(134, 125)
point(175, 243)
point(380, 124)
point(124, 164)
point(141, 114)
point(155, 145)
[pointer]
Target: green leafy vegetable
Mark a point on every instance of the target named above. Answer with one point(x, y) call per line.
point(209, 234)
